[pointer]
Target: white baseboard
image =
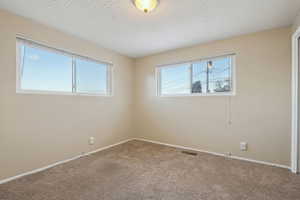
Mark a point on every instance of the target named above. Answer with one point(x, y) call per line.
point(107, 147)
point(145, 140)
point(60, 162)
point(214, 153)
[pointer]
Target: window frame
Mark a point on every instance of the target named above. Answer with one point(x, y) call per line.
point(73, 56)
point(190, 63)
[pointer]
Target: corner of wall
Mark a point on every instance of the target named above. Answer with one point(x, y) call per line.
point(134, 100)
point(296, 23)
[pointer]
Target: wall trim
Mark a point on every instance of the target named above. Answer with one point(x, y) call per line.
point(60, 162)
point(295, 114)
point(214, 153)
point(144, 140)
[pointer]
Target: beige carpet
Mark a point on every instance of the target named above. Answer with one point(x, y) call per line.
point(138, 170)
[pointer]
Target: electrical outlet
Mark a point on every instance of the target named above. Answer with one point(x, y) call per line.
point(92, 140)
point(228, 154)
point(244, 146)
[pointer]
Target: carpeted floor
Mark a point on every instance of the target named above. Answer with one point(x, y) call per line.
point(139, 170)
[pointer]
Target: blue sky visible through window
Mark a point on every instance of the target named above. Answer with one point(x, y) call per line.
point(220, 75)
point(217, 78)
point(91, 76)
point(45, 70)
point(175, 80)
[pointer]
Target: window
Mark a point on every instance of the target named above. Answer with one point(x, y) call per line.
point(47, 70)
point(91, 77)
point(175, 79)
point(203, 77)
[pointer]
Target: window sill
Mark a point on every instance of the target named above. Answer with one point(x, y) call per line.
point(37, 92)
point(199, 95)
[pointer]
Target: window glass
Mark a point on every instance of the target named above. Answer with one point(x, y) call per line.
point(91, 77)
point(219, 75)
point(200, 77)
point(175, 80)
point(45, 70)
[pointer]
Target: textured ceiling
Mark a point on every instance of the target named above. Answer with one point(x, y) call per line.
point(118, 25)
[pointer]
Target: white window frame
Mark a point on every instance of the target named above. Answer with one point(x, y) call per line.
point(190, 63)
point(73, 56)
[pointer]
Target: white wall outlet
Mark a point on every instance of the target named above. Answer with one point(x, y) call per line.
point(228, 154)
point(92, 140)
point(244, 146)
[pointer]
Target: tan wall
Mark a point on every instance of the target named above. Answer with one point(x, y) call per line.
point(38, 130)
point(296, 22)
point(260, 110)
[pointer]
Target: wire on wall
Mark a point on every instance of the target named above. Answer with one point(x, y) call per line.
point(229, 106)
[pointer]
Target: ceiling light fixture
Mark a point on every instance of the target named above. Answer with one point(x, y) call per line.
point(146, 5)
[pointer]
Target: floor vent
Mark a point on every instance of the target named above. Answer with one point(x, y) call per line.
point(190, 153)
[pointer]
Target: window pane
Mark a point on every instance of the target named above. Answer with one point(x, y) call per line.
point(175, 80)
point(202, 77)
point(91, 77)
point(45, 70)
point(199, 77)
point(219, 76)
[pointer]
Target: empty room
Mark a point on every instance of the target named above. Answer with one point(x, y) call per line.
point(149, 99)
